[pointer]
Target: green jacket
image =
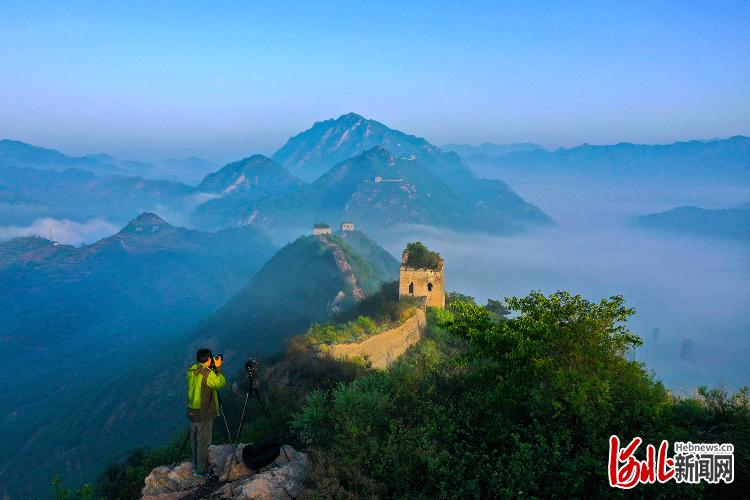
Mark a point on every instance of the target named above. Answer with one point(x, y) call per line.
point(203, 399)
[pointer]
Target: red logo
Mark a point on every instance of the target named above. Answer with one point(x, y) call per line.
point(626, 471)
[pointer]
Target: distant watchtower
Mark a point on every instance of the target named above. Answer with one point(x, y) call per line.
point(422, 275)
point(321, 228)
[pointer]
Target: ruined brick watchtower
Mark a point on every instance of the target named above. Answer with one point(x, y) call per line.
point(422, 275)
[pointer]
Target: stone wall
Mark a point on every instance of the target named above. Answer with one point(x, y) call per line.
point(384, 348)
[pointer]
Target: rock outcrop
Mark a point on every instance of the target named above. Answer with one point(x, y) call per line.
point(282, 479)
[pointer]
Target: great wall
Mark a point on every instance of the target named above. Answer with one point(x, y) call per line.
point(384, 348)
point(426, 283)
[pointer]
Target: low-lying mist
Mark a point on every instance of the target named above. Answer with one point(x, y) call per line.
point(691, 295)
point(64, 231)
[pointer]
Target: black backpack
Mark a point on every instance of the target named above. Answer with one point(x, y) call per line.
point(260, 454)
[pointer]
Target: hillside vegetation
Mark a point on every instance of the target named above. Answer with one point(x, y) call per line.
point(555, 379)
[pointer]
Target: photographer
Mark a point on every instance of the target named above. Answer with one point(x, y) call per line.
point(204, 380)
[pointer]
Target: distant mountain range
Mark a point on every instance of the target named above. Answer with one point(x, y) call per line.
point(379, 191)
point(374, 175)
point(713, 161)
point(22, 155)
point(29, 193)
point(115, 398)
point(82, 316)
point(360, 170)
point(728, 223)
point(467, 151)
point(377, 177)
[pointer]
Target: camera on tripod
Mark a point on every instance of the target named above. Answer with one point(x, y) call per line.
point(251, 380)
point(261, 454)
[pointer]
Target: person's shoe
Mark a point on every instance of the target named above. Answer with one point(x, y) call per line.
point(208, 473)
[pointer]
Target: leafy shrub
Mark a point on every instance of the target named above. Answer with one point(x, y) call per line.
point(124, 479)
point(60, 492)
point(351, 331)
point(421, 257)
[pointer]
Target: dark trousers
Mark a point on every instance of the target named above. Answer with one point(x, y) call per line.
point(200, 439)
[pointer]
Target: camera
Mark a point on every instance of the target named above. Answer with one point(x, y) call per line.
point(214, 358)
point(251, 379)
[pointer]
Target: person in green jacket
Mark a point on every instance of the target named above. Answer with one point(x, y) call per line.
point(204, 379)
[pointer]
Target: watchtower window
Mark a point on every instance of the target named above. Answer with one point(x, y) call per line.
point(411, 288)
point(429, 287)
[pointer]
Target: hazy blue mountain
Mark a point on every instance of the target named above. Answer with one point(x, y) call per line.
point(376, 255)
point(78, 318)
point(714, 161)
point(328, 143)
point(238, 185)
point(377, 191)
point(22, 155)
point(148, 268)
point(255, 177)
point(141, 401)
point(731, 223)
point(488, 149)
point(313, 152)
point(127, 167)
point(189, 171)
point(28, 193)
point(304, 277)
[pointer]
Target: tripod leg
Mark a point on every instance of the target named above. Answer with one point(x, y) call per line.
point(224, 416)
point(237, 441)
point(182, 448)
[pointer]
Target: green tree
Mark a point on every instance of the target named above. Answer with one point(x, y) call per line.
point(497, 307)
point(522, 407)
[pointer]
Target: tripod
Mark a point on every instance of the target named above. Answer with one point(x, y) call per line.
point(224, 416)
point(253, 391)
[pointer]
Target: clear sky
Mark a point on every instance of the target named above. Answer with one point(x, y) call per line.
point(225, 79)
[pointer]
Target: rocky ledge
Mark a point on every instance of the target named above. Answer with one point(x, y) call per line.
point(281, 479)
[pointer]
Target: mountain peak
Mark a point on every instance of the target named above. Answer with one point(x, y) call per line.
point(327, 143)
point(256, 159)
point(146, 221)
point(257, 174)
point(351, 117)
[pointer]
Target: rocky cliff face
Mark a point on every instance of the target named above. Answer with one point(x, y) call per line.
point(282, 479)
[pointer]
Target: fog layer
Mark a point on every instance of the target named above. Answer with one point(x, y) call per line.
point(691, 295)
